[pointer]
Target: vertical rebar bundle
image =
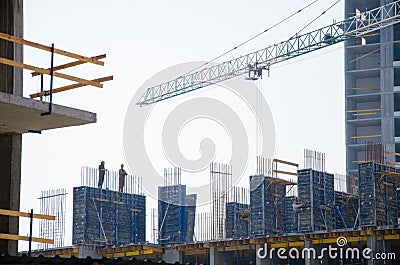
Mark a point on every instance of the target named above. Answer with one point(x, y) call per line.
point(90, 178)
point(375, 152)
point(220, 185)
point(203, 230)
point(264, 166)
point(172, 176)
point(340, 182)
point(314, 160)
point(239, 195)
point(53, 202)
point(154, 226)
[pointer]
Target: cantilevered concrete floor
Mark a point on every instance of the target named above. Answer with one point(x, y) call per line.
point(20, 115)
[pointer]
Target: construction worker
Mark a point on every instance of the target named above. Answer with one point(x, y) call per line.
point(122, 174)
point(102, 172)
point(296, 206)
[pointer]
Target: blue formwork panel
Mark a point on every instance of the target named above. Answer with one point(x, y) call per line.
point(316, 192)
point(398, 202)
point(377, 195)
point(173, 214)
point(191, 200)
point(266, 206)
point(104, 217)
point(290, 216)
point(237, 220)
point(346, 210)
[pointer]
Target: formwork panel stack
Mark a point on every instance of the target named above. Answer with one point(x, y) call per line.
point(377, 195)
point(346, 210)
point(105, 217)
point(237, 220)
point(316, 194)
point(176, 214)
point(290, 216)
point(267, 197)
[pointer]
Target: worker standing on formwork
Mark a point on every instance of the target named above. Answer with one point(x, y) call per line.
point(102, 172)
point(122, 174)
point(297, 206)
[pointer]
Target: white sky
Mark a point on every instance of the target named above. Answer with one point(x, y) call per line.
point(141, 38)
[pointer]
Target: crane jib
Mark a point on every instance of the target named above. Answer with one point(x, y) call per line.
point(253, 63)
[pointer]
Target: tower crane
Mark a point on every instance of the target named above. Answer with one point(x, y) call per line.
point(254, 63)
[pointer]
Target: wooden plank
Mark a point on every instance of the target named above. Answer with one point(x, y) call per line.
point(22, 214)
point(71, 64)
point(286, 162)
point(26, 238)
point(364, 113)
point(47, 72)
point(366, 136)
point(285, 172)
point(363, 110)
point(392, 153)
point(393, 163)
point(47, 48)
point(69, 87)
point(364, 88)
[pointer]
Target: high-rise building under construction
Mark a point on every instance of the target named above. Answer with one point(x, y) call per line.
point(372, 89)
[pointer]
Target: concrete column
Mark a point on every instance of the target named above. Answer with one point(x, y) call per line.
point(88, 251)
point(258, 260)
point(11, 22)
point(378, 246)
point(172, 256)
point(10, 178)
point(216, 257)
point(317, 248)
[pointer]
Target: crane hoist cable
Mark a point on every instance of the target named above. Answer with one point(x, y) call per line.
point(254, 37)
point(315, 19)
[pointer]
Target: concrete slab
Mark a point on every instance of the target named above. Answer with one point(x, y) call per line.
point(20, 115)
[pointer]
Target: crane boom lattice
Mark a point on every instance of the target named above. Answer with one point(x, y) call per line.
point(253, 63)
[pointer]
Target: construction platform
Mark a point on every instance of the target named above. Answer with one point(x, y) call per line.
point(23, 115)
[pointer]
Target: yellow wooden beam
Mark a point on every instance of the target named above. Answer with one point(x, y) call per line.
point(286, 162)
point(364, 113)
point(392, 153)
point(26, 238)
point(47, 72)
point(366, 136)
point(391, 237)
point(47, 48)
point(363, 88)
point(363, 110)
point(71, 64)
point(285, 172)
point(22, 214)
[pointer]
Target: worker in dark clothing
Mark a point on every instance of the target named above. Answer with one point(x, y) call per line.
point(122, 174)
point(102, 172)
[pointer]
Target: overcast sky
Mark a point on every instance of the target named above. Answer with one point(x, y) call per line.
point(142, 38)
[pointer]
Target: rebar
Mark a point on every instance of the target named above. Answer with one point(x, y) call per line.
point(53, 202)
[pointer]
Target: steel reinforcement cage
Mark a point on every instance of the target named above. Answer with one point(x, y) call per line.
point(104, 217)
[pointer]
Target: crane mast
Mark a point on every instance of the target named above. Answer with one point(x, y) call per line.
point(254, 63)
